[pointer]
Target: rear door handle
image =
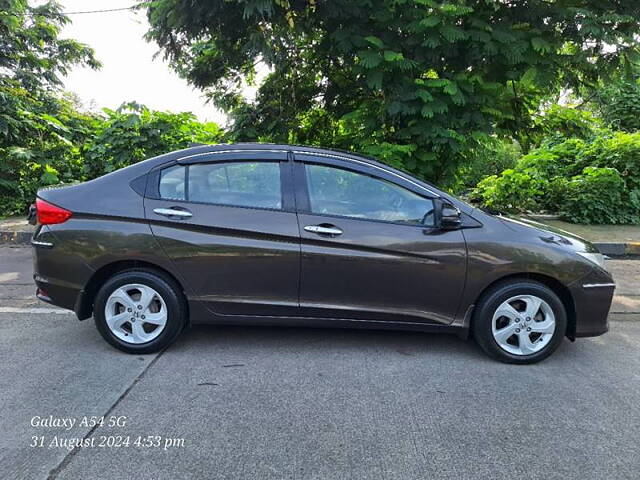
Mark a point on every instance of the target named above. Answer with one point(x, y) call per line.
point(170, 212)
point(324, 229)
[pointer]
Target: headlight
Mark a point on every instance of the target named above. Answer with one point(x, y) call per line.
point(596, 258)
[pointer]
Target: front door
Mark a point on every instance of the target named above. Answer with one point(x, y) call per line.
point(370, 250)
point(228, 223)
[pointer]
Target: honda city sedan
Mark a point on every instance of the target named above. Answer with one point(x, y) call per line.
point(287, 235)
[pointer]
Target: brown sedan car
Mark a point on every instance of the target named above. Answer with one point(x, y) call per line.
point(286, 235)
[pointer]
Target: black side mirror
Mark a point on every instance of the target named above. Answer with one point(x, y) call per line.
point(448, 217)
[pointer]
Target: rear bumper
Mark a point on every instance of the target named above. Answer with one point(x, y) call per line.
point(592, 297)
point(48, 290)
point(57, 272)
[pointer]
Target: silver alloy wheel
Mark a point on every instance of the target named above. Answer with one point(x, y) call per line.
point(523, 325)
point(135, 313)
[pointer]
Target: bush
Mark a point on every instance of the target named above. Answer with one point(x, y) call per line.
point(41, 140)
point(489, 158)
point(48, 141)
point(552, 160)
point(597, 196)
point(590, 181)
point(620, 151)
point(512, 191)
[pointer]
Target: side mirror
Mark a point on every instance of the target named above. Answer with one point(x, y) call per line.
point(449, 217)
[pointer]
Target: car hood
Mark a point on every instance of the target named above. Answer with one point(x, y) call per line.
point(549, 234)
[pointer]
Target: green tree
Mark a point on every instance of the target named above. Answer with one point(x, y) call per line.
point(40, 129)
point(32, 55)
point(619, 104)
point(418, 82)
point(133, 133)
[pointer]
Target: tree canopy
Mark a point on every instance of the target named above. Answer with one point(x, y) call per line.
point(32, 54)
point(417, 82)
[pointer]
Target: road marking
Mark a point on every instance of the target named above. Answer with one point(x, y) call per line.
point(55, 311)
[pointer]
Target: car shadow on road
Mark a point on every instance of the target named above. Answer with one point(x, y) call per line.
point(402, 343)
point(314, 340)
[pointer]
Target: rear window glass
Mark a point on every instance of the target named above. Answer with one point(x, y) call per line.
point(172, 183)
point(242, 184)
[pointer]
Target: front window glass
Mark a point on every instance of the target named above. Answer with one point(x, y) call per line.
point(335, 191)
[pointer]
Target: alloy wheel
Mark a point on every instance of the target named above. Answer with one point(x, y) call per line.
point(523, 325)
point(135, 313)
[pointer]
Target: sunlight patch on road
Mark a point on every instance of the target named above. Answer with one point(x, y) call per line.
point(8, 277)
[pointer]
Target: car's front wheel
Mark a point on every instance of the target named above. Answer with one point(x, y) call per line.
point(139, 311)
point(519, 321)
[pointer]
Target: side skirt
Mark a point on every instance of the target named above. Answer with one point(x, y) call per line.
point(460, 331)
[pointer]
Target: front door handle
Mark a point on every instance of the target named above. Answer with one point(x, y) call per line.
point(324, 229)
point(170, 212)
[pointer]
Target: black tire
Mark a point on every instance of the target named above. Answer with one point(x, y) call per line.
point(169, 291)
point(494, 297)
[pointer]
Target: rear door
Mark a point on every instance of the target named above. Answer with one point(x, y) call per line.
point(227, 221)
point(369, 247)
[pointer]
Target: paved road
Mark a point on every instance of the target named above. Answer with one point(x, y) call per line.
point(231, 402)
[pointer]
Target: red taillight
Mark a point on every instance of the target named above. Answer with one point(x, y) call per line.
point(49, 214)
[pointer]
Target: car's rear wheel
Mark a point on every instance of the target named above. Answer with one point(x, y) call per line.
point(140, 311)
point(520, 321)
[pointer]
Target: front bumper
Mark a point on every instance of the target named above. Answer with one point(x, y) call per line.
point(592, 296)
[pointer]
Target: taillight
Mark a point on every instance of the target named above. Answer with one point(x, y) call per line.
point(49, 214)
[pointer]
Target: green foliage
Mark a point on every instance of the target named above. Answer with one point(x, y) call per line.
point(598, 195)
point(559, 123)
point(588, 181)
point(40, 131)
point(620, 151)
point(64, 145)
point(41, 145)
point(423, 82)
point(31, 53)
point(489, 158)
point(619, 105)
point(554, 159)
point(44, 137)
point(133, 133)
point(512, 191)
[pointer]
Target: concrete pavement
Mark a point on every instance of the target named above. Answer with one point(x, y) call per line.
point(274, 403)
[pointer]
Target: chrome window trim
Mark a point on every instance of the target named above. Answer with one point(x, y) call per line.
point(238, 150)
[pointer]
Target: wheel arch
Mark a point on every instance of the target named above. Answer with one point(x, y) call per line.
point(85, 301)
point(556, 286)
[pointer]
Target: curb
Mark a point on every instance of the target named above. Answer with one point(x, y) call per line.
point(617, 249)
point(15, 238)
